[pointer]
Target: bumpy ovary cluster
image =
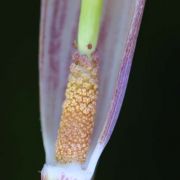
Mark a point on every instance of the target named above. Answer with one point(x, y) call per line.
point(79, 108)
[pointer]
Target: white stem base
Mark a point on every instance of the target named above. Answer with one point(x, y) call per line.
point(65, 172)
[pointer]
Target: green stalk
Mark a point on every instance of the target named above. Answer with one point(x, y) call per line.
point(89, 25)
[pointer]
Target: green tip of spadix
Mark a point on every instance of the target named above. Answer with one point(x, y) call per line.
point(89, 25)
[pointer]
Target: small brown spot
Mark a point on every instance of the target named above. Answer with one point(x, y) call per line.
point(75, 44)
point(89, 46)
point(76, 62)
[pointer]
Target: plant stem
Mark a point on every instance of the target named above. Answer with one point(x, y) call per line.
point(89, 25)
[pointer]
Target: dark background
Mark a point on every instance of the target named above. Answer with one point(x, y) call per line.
point(145, 143)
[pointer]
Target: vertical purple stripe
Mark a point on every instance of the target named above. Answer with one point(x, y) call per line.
point(58, 20)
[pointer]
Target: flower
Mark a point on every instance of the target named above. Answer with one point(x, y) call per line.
point(116, 43)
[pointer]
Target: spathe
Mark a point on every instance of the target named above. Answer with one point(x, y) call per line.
point(118, 35)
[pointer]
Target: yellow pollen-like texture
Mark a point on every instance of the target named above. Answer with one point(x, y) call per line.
point(78, 111)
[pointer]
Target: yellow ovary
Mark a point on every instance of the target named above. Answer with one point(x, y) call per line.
point(79, 108)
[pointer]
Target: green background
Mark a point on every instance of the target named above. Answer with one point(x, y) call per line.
point(145, 143)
